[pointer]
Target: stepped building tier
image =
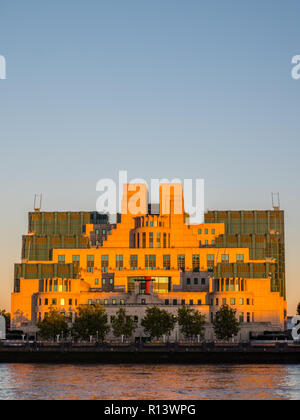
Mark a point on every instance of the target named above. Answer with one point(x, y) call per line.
point(154, 257)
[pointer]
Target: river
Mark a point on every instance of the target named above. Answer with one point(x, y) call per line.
point(148, 382)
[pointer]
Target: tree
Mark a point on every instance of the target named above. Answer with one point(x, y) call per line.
point(54, 324)
point(298, 309)
point(91, 321)
point(158, 322)
point(225, 323)
point(7, 318)
point(191, 322)
point(123, 324)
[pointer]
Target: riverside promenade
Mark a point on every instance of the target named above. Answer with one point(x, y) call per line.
point(37, 352)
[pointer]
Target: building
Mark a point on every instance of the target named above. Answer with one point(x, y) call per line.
point(2, 328)
point(154, 257)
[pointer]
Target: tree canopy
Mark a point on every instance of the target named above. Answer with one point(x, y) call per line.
point(123, 324)
point(191, 322)
point(158, 322)
point(54, 324)
point(91, 321)
point(225, 323)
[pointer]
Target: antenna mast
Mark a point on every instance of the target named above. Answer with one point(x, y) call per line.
point(38, 198)
point(276, 201)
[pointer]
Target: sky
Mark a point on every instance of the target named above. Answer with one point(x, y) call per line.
point(162, 89)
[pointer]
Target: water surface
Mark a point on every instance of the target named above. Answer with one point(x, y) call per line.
point(149, 382)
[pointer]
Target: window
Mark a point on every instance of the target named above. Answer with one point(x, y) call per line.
point(175, 302)
point(54, 301)
point(225, 258)
point(224, 301)
point(181, 262)
point(55, 286)
point(199, 302)
point(167, 262)
point(206, 242)
point(143, 301)
point(150, 262)
point(151, 240)
point(61, 259)
point(241, 301)
point(70, 302)
point(199, 231)
point(105, 301)
point(195, 280)
point(119, 262)
point(232, 301)
point(104, 263)
point(103, 232)
point(136, 319)
point(103, 282)
point(133, 262)
point(90, 302)
point(203, 281)
point(210, 261)
point(46, 302)
point(158, 240)
point(213, 231)
point(213, 242)
point(188, 281)
point(206, 231)
point(75, 258)
point(191, 302)
point(183, 302)
point(240, 257)
point(166, 301)
point(241, 317)
point(211, 317)
point(114, 302)
point(96, 282)
point(90, 263)
point(111, 281)
point(40, 302)
point(248, 301)
point(248, 318)
point(144, 240)
point(165, 240)
point(62, 302)
point(196, 262)
point(122, 302)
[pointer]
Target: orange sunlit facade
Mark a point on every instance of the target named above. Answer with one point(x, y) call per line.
point(150, 258)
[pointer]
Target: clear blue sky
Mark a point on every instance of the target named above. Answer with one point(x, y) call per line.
point(161, 88)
